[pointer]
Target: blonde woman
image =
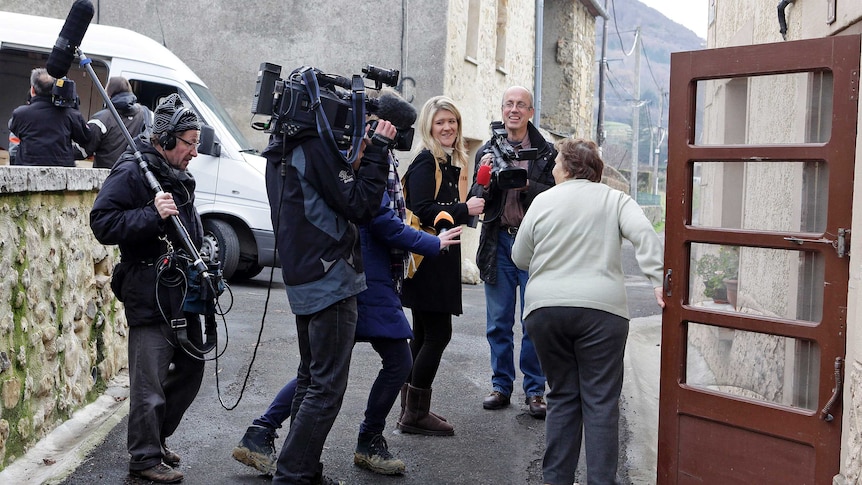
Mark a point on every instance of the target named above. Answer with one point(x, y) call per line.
point(433, 294)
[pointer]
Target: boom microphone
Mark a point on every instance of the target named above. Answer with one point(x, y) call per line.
point(70, 38)
point(394, 109)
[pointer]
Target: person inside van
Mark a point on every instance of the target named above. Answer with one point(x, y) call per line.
point(108, 142)
point(44, 130)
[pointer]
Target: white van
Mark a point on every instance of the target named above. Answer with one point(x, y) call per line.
point(231, 192)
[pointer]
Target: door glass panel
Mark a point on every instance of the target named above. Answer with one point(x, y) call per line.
point(761, 110)
point(752, 365)
point(761, 196)
point(757, 281)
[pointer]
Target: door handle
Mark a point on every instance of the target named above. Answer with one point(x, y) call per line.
point(824, 413)
point(667, 281)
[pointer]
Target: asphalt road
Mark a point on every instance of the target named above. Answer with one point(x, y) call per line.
point(489, 447)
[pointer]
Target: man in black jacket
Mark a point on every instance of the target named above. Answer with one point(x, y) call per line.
point(164, 379)
point(504, 210)
point(317, 199)
point(46, 131)
point(108, 142)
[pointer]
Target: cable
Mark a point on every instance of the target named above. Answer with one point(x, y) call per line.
point(649, 67)
point(265, 304)
point(616, 28)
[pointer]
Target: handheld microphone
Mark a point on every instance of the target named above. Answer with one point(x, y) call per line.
point(483, 179)
point(443, 222)
point(483, 176)
point(70, 38)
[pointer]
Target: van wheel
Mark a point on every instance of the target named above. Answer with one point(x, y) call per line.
point(248, 272)
point(222, 244)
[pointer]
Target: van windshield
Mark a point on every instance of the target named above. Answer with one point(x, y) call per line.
point(213, 104)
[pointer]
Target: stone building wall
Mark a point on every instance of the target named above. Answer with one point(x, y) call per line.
point(62, 332)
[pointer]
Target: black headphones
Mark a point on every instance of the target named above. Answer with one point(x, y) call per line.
point(168, 140)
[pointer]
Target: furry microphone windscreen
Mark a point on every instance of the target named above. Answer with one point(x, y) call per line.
point(394, 109)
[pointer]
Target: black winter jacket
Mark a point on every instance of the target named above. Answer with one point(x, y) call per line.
point(46, 132)
point(124, 214)
point(540, 179)
point(436, 286)
point(107, 141)
point(316, 199)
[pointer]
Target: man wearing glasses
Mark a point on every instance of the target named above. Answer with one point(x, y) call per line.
point(504, 210)
point(163, 378)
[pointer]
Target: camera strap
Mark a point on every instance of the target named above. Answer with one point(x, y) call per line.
point(323, 127)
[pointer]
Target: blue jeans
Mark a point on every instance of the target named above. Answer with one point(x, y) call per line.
point(279, 410)
point(325, 346)
point(500, 304)
point(397, 361)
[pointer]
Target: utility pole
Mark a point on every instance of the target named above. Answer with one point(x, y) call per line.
point(600, 122)
point(633, 182)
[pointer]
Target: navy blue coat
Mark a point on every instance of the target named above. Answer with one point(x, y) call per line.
point(380, 312)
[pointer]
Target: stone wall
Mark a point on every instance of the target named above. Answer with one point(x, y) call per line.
point(62, 332)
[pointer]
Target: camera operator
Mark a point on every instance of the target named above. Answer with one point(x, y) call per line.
point(504, 210)
point(317, 199)
point(46, 131)
point(163, 378)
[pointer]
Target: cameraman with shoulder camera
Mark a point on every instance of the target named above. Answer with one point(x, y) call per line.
point(317, 199)
point(46, 129)
point(504, 210)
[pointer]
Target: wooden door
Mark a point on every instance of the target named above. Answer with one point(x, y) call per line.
point(762, 143)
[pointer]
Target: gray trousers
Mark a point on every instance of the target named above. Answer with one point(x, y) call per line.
point(581, 353)
point(158, 394)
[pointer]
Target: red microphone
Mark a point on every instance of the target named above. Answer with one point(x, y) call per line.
point(483, 177)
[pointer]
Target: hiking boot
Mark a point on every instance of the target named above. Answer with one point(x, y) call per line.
point(170, 458)
point(257, 449)
point(160, 473)
point(372, 453)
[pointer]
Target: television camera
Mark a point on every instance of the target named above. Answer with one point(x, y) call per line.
point(505, 172)
point(295, 105)
point(64, 94)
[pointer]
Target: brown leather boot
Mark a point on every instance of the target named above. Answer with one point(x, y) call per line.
point(418, 420)
point(404, 401)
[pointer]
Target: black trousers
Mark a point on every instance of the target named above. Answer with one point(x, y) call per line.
point(159, 393)
point(432, 332)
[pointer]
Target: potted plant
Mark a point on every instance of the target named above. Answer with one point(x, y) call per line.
point(719, 272)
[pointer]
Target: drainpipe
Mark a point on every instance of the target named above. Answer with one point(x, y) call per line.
point(537, 83)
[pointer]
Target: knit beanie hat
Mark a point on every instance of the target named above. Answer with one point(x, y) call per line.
point(166, 110)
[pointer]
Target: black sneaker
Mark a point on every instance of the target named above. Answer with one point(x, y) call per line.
point(257, 449)
point(160, 473)
point(372, 453)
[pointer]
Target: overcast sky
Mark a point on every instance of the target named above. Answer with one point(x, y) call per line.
point(690, 13)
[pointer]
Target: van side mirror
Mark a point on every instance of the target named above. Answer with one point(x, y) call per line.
point(210, 144)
